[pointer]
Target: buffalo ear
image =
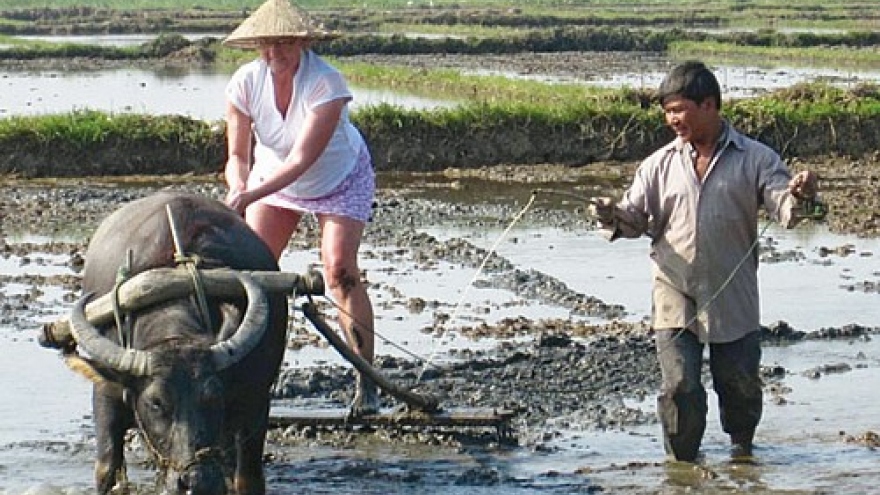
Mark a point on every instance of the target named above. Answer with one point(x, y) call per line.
point(93, 371)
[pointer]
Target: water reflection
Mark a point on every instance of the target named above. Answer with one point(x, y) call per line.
point(197, 93)
point(113, 39)
point(193, 93)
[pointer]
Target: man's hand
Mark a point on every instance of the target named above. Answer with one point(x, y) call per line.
point(602, 209)
point(804, 185)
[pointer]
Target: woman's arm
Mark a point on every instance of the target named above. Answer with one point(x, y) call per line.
point(318, 128)
point(238, 143)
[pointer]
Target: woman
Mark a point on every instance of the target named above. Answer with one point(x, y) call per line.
point(308, 158)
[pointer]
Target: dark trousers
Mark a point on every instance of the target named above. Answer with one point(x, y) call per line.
point(682, 404)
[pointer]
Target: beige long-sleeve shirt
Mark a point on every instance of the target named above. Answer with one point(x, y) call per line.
point(704, 232)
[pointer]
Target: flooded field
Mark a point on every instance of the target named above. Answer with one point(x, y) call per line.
point(198, 92)
point(193, 93)
point(818, 435)
point(807, 443)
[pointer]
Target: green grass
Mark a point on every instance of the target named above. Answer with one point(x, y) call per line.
point(821, 56)
point(803, 120)
point(85, 128)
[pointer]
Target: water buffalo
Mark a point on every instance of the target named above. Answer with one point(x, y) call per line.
point(197, 385)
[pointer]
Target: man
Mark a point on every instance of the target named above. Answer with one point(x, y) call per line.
point(698, 199)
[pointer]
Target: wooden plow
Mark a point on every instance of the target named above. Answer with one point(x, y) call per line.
point(494, 419)
point(160, 284)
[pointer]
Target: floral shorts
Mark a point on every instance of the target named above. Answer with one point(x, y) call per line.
point(352, 198)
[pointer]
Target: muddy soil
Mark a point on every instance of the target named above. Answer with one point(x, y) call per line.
point(567, 370)
point(561, 66)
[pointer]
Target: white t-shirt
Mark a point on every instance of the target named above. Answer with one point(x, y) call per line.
point(251, 90)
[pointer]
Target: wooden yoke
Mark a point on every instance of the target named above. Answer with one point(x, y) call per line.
point(161, 284)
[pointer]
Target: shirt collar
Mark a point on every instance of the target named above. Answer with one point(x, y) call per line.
point(728, 137)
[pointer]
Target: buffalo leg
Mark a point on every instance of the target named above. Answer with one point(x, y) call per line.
point(112, 420)
point(249, 478)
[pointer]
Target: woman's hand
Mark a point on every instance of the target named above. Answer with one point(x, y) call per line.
point(238, 199)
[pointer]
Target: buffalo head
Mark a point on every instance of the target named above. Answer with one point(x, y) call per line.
point(175, 387)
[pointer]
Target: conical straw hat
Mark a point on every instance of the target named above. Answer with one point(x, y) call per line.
point(276, 20)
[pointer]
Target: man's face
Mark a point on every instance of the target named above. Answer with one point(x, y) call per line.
point(691, 121)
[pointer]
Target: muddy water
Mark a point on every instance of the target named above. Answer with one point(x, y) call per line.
point(197, 93)
point(192, 93)
point(46, 443)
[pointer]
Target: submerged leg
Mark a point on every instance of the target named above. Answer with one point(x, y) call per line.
point(736, 377)
point(366, 396)
point(682, 402)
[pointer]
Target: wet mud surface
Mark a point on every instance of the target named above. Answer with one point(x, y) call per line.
point(566, 66)
point(563, 369)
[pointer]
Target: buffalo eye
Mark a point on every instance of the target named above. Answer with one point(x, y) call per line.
point(212, 393)
point(157, 406)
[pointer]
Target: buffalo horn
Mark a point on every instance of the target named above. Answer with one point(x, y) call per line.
point(253, 325)
point(104, 350)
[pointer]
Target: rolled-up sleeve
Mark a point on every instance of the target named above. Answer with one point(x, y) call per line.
point(631, 217)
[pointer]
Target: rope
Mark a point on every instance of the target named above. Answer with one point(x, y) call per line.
point(585, 200)
point(162, 462)
point(192, 266)
point(192, 263)
point(479, 270)
point(123, 324)
point(721, 288)
point(428, 361)
point(813, 210)
point(384, 339)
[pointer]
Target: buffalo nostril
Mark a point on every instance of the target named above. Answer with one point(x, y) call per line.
point(198, 481)
point(182, 484)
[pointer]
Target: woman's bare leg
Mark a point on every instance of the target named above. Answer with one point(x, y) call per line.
point(340, 241)
point(272, 224)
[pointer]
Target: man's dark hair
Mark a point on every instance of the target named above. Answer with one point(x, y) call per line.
point(691, 80)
